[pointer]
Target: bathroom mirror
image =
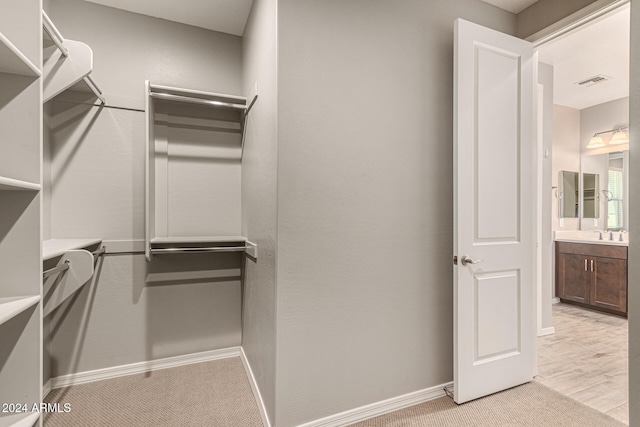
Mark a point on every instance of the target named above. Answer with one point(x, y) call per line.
point(590, 195)
point(610, 191)
point(568, 186)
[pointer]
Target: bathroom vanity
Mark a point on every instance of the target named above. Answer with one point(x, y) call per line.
point(592, 273)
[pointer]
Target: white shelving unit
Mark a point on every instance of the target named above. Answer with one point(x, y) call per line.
point(20, 198)
point(57, 247)
point(195, 143)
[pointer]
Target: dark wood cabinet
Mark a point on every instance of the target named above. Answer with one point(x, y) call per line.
point(592, 275)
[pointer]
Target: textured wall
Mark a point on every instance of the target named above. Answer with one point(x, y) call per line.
point(365, 164)
point(544, 13)
point(566, 155)
point(259, 198)
point(545, 77)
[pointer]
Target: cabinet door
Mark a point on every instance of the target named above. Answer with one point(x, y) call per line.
point(573, 278)
point(609, 284)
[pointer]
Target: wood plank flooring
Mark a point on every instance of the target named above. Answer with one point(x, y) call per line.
point(587, 359)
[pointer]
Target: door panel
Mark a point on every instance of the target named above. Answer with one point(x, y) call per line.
point(496, 145)
point(494, 201)
point(497, 311)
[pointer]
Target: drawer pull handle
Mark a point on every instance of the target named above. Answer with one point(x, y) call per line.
point(591, 265)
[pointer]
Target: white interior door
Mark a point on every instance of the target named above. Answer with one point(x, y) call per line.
point(494, 202)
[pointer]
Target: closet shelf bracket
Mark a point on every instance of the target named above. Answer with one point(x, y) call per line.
point(78, 266)
point(56, 270)
point(97, 253)
point(54, 34)
point(71, 65)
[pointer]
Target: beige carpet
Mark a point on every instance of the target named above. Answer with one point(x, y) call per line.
point(205, 394)
point(218, 394)
point(531, 404)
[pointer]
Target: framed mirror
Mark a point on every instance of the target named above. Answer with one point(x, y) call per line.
point(590, 195)
point(568, 200)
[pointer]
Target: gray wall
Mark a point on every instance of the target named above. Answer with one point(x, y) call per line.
point(365, 163)
point(259, 198)
point(544, 13)
point(545, 77)
point(566, 155)
point(634, 225)
point(98, 191)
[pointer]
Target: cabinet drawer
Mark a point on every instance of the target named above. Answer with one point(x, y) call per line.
point(594, 250)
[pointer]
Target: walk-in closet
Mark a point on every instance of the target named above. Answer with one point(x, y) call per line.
point(124, 245)
point(257, 212)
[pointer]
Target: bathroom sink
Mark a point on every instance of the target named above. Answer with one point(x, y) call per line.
point(591, 236)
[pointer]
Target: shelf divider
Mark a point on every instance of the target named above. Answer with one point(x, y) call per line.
point(58, 247)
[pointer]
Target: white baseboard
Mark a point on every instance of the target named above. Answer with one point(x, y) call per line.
point(344, 418)
point(141, 367)
point(555, 301)
point(546, 331)
point(379, 408)
point(255, 389)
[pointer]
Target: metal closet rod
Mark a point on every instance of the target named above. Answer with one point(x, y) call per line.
point(207, 249)
point(193, 100)
point(55, 270)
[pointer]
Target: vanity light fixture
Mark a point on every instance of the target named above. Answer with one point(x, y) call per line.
point(620, 136)
point(596, 142)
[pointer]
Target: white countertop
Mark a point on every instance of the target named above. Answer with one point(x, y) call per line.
point(591, 237)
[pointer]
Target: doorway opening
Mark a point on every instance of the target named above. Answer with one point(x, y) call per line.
point(582, 327)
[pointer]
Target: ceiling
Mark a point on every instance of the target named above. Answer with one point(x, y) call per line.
point(226, 16)
point(513, 6)
point(600, 48)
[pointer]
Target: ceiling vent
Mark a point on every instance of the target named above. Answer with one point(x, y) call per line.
point(593, 80)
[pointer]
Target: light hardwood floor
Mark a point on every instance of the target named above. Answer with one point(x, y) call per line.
point(586, 359)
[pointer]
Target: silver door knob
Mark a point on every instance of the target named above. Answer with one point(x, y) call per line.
point(466, 260)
